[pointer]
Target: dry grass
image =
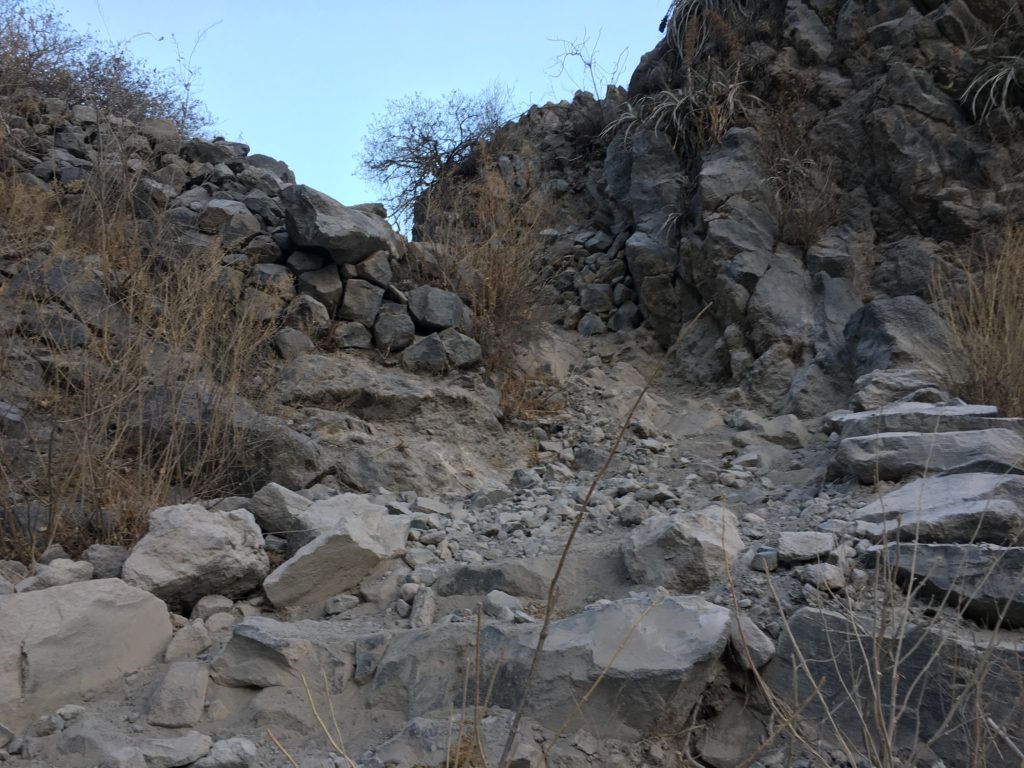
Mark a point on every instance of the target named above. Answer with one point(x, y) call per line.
point(985, 312)
point(116, 320)
point(486, 231)
point(802, 180)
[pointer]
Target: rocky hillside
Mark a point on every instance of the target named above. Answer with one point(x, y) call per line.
point(263, 504)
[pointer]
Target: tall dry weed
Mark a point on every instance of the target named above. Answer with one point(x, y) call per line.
point(139, 354)
point(487, 236)
point(985, 312)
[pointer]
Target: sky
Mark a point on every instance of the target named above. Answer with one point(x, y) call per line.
point(301, 80)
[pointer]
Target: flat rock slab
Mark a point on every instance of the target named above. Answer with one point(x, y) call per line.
point(655, 656)
point(959, 508)
point(920, 417)
point(804, 546)
point(986, 582)
point(179, 700)
point(58, 643)
point(895, 455)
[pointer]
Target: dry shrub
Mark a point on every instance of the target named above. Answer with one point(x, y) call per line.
point(144, 354)
point(802, 179)
point(985, 312)
point(487, 232)
point(41, 52)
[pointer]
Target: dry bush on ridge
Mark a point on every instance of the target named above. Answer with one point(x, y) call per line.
point(486, 233)
point(985, 312)
point(122, 328)
point(40, 52)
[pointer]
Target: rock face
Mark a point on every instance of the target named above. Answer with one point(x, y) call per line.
point(337, 560)
point(191, 551)
point(317, 222)
point(61, 642)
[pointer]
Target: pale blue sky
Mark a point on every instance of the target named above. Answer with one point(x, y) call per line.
point(300, 79)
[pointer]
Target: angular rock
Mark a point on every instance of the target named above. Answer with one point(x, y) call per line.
point(361, 302)
point(393, 330)
point(337, 560)
point(318, 222)
point(804, 546)
point(685, 552)
point(229, 753)
point(968, 507)
point(672, 652)
point(323, 284)
point(175, 750)
point(751, 647)
point(107, 560)
point(191, 551)
point(895, 455)
point(427, 355)
point(277, 509)
point(376, 269)
point(264, 652)
point(887, 386)
point(188, 642)
point(291, 343)
point(434, 309)
point(180, 698)
point(308, 315)
point(351, 335)
point(58, 643)
point(926, 663)
point(462, 351)
point(984, 581)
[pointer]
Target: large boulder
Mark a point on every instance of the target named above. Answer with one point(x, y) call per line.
point(984, 581)
point(191, 551)
point(337, 560)
point(823, 657)
point(320, 223)
point(920, 417)
point(56, 644)
point(434, 309)
point(685, 552)
point(655, 655)
point(970, 506)
point(895, 455)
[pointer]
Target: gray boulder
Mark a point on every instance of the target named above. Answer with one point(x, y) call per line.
point(56, 573)
point(393, 330)
point(919, 417)
point(180, 698)
point(361, 302)
point(320, 223)
point(351, 335)
point(984, 581)
point(59, 643)
point(107, 560)
point(190, 551)
point(964, 507)
point(434, 309)
point(322, 284)
point(427, 355)
point(672, 653)
point(895, 455)
point(685, 552)
point(461, 350)
point(338, 560)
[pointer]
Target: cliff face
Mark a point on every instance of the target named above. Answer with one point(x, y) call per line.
point(805, 168)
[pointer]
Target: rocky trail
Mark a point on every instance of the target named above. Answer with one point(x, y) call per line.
point(376, 595)
point(806, 549)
